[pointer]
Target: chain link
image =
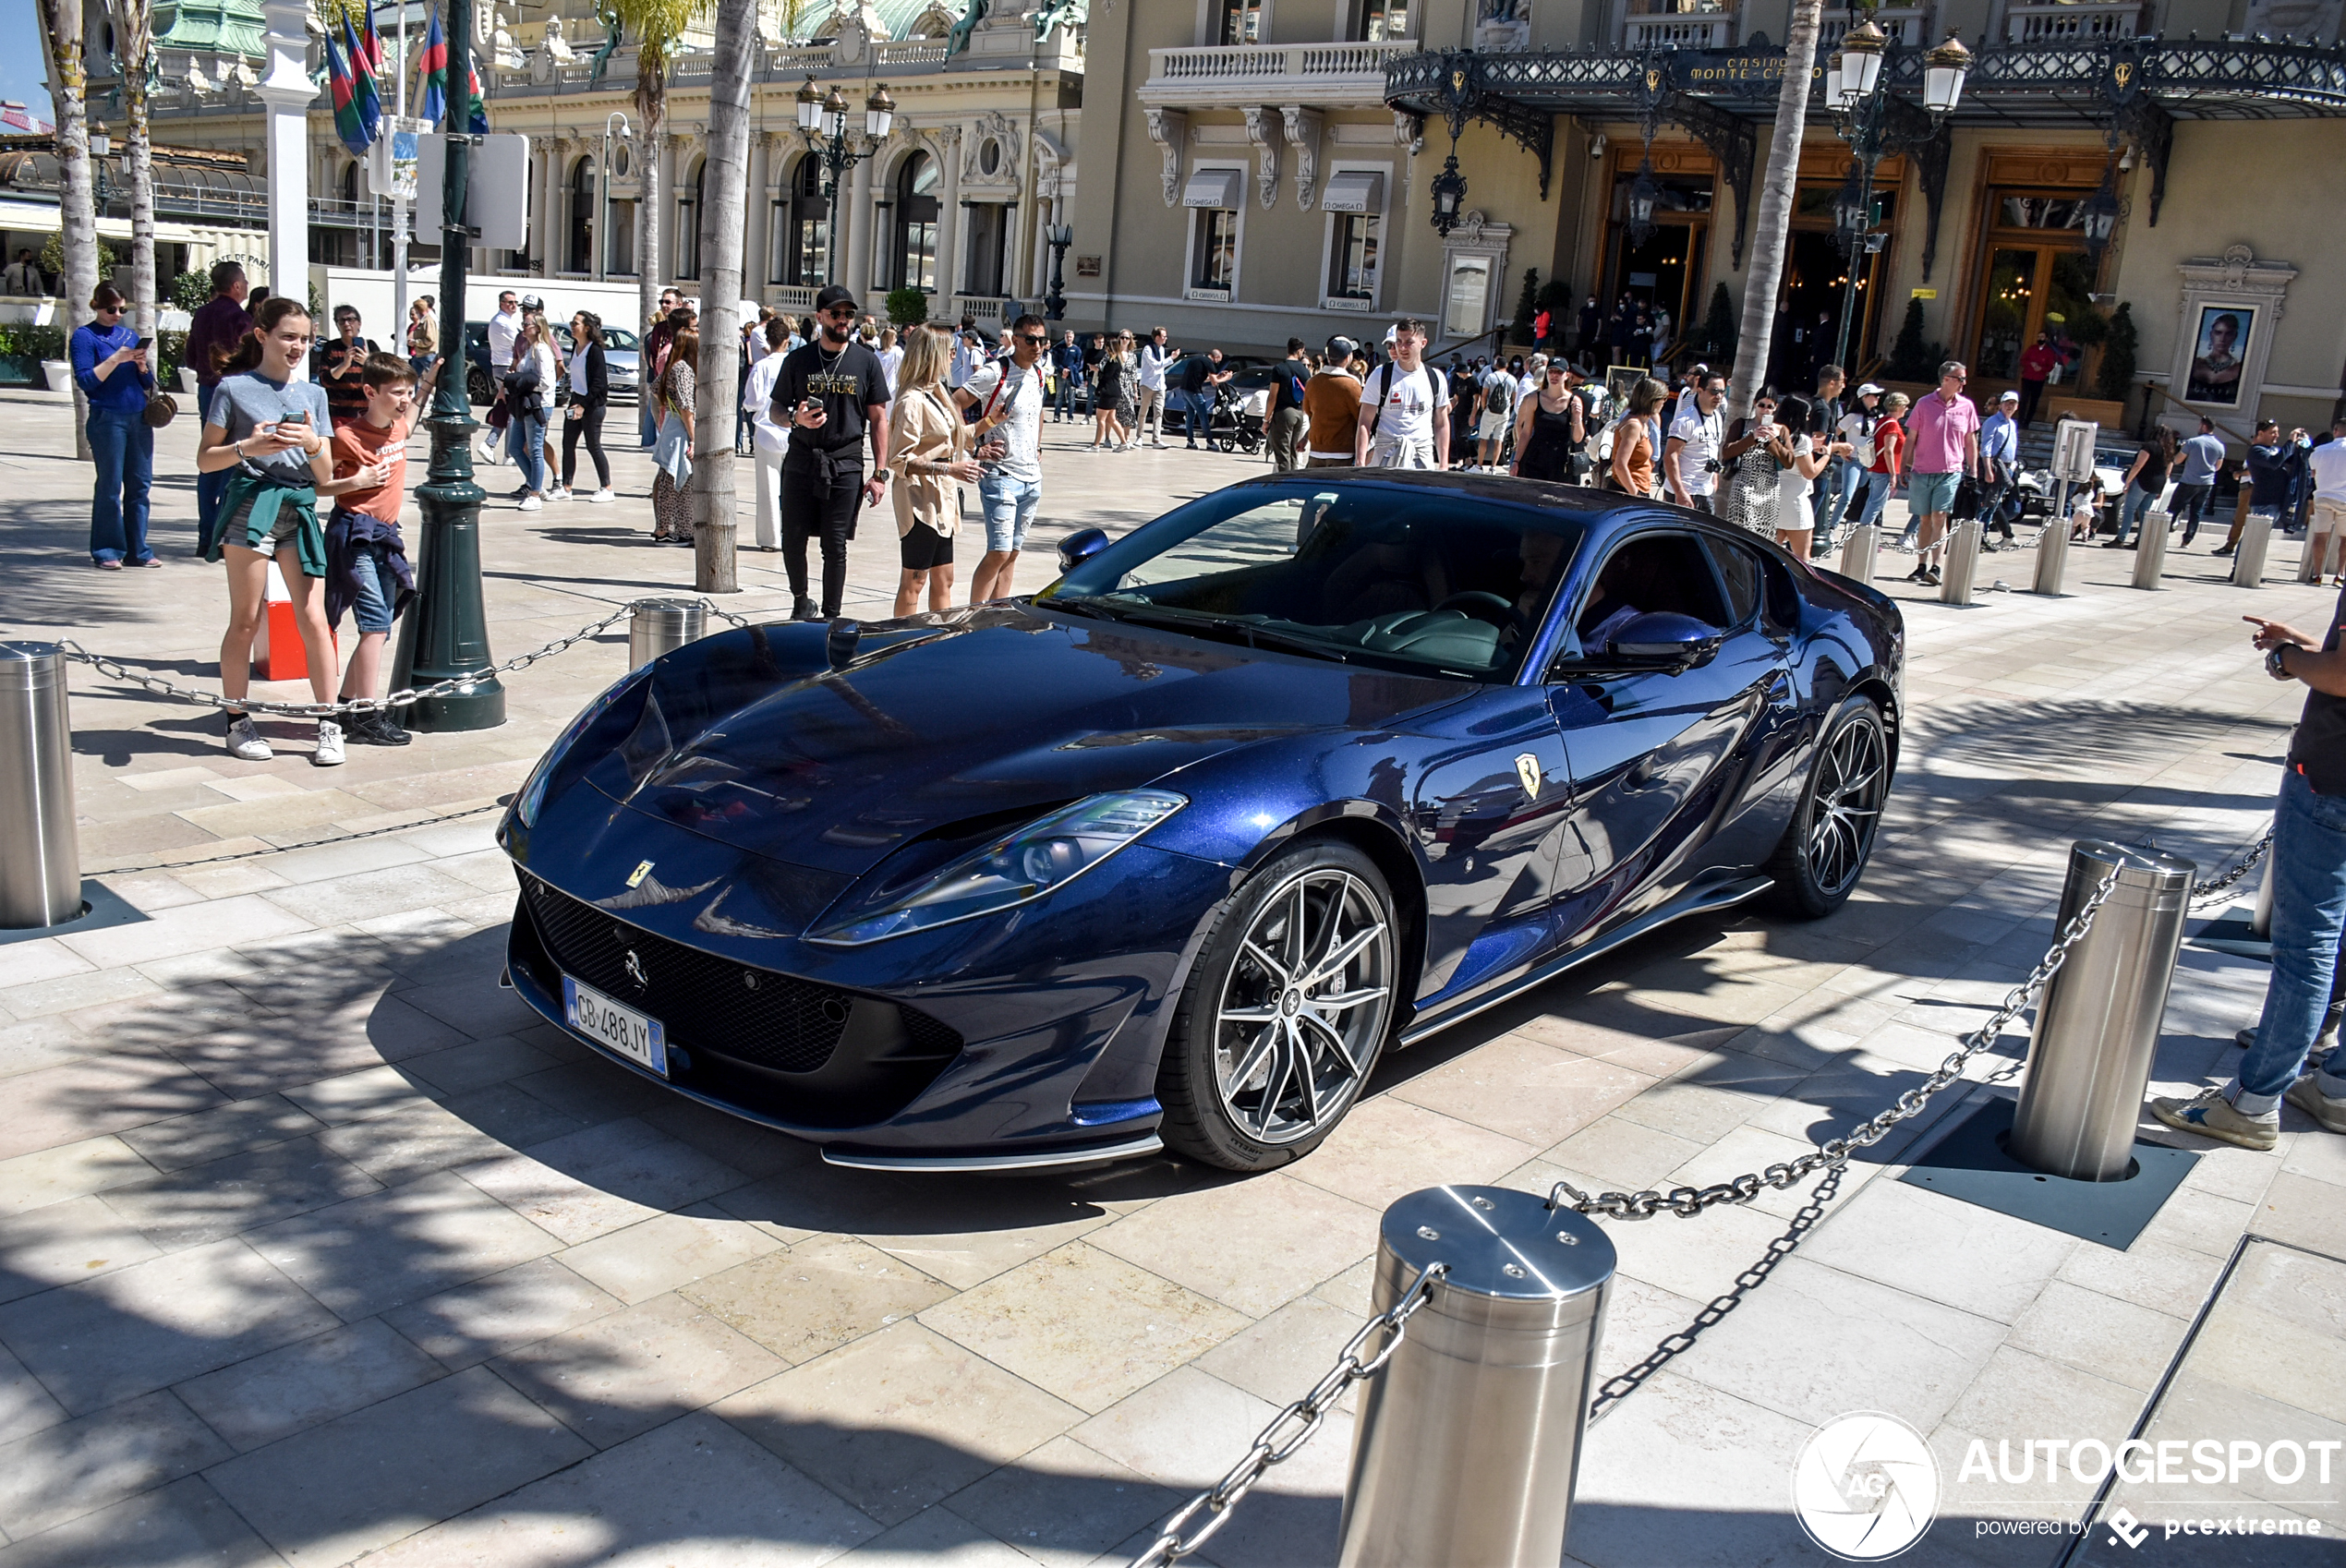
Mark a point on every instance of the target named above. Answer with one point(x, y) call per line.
point(1687, 1201)
point(401, 698)
point(1290, 1429)
point(2203, 892)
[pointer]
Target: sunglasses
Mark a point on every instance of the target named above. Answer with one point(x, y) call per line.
point(1029, 337)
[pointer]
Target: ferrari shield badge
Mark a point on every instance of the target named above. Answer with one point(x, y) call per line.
point(635, 878)
point(1527, 767)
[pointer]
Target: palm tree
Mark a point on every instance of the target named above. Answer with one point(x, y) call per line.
point(659, 27)
point(724, 191)
point(1775, 207)
point(134, 41)
point(61, 39)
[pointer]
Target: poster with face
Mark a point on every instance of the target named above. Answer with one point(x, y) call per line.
point(2219, 350)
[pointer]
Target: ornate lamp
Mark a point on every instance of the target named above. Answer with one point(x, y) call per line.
point(1942, 76)
point(1861, 50)
point(2101, 218)
point(1450, 195)
point(810, 105)
point(1643, 194)
point(879, 112)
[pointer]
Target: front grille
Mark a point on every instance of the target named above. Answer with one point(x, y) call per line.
point(704, 1002)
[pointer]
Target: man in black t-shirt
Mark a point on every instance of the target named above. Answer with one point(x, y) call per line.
point(1197, 376)
point(2309, 909)
point(1288, 422)
point(829, 394)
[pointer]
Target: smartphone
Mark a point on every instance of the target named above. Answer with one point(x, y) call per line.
point(145, 344)
point(297, 416)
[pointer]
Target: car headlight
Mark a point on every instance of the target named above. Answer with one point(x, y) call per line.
point(1040, 858)
point(533, 792)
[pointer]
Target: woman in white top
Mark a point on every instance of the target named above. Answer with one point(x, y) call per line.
point(891, 358)
point(1799, 462)
point(531, 385)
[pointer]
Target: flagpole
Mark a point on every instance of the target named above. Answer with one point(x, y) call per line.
point(399, 209)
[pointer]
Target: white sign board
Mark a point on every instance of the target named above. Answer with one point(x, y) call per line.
point(2074, 449)
point(496, 189)
point(392, 161)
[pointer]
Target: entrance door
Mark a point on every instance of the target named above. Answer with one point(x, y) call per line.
point(1816, 275)
point(1666, 270)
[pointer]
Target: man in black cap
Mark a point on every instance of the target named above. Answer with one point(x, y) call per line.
point(828, 394)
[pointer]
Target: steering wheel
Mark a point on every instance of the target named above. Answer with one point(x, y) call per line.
point(1484, 605)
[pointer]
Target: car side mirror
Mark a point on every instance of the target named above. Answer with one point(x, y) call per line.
point(1665, 639)
point(1079, 546)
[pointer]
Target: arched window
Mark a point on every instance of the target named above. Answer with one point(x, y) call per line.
point(582, 216)
point(803, 228)
point(916, 211)
point(688, 222)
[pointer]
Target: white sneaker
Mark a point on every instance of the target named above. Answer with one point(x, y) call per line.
point(558, 493)
point(603, 497)
point(244, 742)
point(329, 752)
point(531, 504)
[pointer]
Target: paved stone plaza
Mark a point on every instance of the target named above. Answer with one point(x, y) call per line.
point(315, 1247)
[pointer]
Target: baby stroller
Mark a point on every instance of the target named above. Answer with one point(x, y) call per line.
point(1237, 421)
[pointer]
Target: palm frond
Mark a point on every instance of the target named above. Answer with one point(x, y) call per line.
point(657, 27)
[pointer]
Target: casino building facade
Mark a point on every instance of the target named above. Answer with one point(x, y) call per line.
point(1274, 167)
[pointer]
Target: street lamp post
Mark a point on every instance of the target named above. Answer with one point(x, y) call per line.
point(1059, 237)
point(1857, 94)
point(445, 636)
point(603, 215)
point(822, 120)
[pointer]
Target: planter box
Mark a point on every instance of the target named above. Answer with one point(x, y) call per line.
point(2108, 415)
point(22, 370)
point(186, 381)
point(60, 374)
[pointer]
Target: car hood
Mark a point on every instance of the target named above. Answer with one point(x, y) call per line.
point(962, 728)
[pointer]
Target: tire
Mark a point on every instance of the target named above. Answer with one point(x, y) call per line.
point(1831, 833)
point(478, 387)
point(1258, 1070)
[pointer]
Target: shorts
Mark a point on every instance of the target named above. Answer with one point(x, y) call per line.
point(378, 588)
point(924, 549)
point(1926, 493)
point(1493, 428)
point(2328, 516)
point(1009, 508)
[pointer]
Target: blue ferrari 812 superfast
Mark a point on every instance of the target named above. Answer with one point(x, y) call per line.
point(1300, 772)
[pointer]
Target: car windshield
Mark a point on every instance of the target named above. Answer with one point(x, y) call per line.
point(620, 338)
point(1434, 581)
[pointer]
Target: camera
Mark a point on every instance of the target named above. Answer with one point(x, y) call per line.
point(1710, 465)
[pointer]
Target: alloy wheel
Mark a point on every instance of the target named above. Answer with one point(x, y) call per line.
point(1304, 1005)
point(1852, 778)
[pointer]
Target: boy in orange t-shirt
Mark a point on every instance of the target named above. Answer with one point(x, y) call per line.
point(367, 570)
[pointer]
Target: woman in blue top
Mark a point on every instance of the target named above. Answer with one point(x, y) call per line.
point(110, 364)
point(269, 431)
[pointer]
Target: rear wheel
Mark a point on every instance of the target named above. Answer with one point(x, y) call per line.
point(1825, 849)
point(1285, 1013)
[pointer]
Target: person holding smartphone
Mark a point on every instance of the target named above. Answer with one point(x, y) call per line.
point(111, 364)
point(270, 430)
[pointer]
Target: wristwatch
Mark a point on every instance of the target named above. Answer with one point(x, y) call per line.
point(2274, 664)
point(882, 474)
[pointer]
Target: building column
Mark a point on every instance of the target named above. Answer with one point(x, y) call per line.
point(856, 265)
point(758, 217)
point(948, 217)
point(287, 91)
point(671, 156)
point(549, 201)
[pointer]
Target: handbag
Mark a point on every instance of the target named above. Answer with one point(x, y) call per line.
point(162, 409)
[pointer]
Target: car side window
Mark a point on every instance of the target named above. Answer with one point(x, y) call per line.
point(1739, 570)
point(1644, 574)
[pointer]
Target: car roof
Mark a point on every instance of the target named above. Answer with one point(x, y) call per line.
point(1503, 489)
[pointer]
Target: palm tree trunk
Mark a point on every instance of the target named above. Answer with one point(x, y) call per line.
point(1773, 227)
point(724, 193)
point(652, 103)
point(76, 212)
point(134, 36)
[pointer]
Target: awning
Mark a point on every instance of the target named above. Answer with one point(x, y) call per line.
point(1355, 191)
point(1212, 187)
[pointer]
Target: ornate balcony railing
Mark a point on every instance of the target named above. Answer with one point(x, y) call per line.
point(1907, 25)
point(1310, 72)
point(2086, 22)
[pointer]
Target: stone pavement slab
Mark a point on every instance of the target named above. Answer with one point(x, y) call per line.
point(315, 1247)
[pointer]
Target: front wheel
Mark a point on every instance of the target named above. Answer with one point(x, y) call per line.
point(1832, 835)
point(1285, 1013)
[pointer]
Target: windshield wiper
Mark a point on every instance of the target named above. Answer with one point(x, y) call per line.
point(1293, 642)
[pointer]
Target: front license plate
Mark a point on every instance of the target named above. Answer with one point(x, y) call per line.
point(625, 1031)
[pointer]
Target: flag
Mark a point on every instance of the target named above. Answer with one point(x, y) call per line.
point(364, 99)
point(349, 125)
point(432, 70)
point(372, 47)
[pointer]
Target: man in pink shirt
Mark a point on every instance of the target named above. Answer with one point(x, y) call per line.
point(1942, 435)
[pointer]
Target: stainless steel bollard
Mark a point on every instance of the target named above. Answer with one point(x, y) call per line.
point(2260, 918)
point(2052, 555)
point(2316, 560)
point(39, 849)
point(1468, 1441)
point(1859, 553)
point(662, 626)
point(1963, 562)
point(2097, 1025)
point(2150, 550)
point(2248, 562)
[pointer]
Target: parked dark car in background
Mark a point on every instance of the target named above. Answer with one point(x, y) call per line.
point(1305, 769)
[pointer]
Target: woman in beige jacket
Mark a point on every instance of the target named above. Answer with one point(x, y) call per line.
point(928, 448)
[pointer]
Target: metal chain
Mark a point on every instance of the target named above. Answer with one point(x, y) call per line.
point(1687, 1201)
point(402, 698)
point(138, 870)
point(1270, 1446)
point(2202, 892)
